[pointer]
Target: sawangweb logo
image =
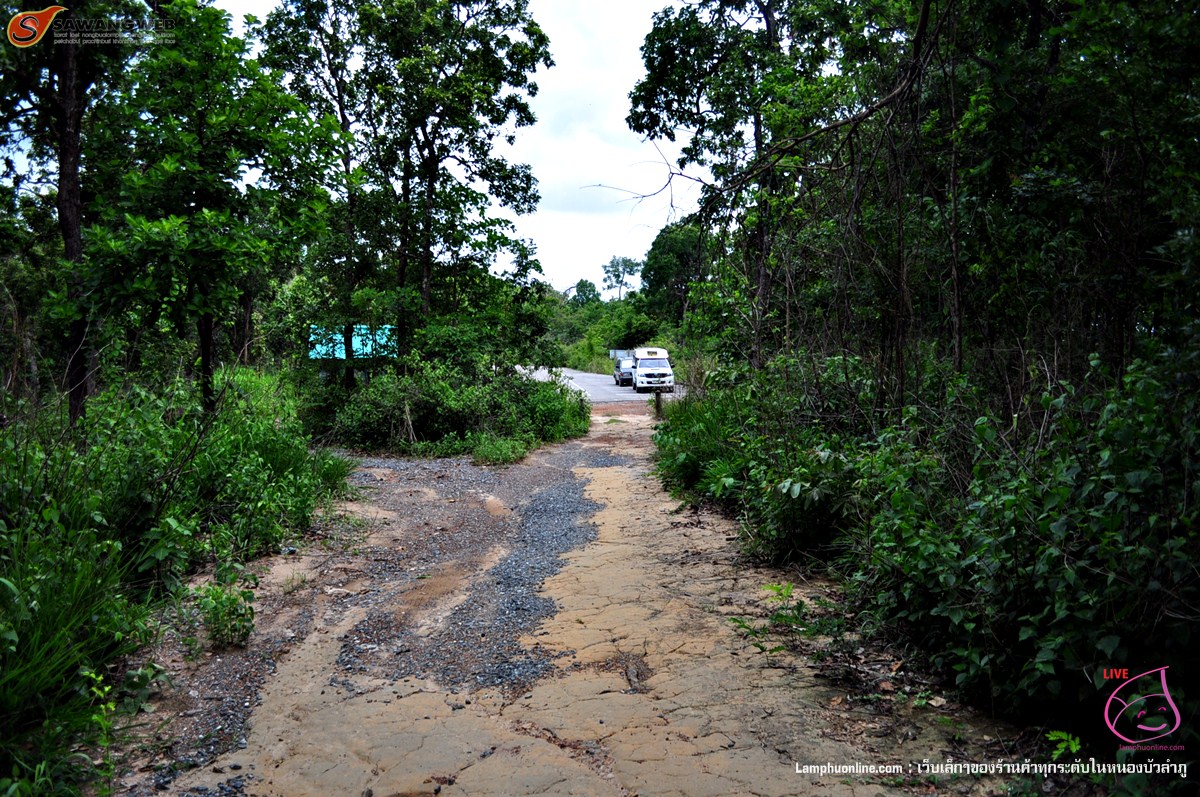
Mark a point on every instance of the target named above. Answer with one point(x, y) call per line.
point(28, 27)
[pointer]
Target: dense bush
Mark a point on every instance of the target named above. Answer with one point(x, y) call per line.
point(98, 521)
point(755, 442)
point(1060, 547)
point(439, 409)
point(1067, 552)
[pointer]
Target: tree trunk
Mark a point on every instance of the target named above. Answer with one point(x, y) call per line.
point(242, 330)
point(204, 328)
point(68, 115)
point(348, 380)
point(429, 175)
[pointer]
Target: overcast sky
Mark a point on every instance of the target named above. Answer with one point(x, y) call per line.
point(590, 167)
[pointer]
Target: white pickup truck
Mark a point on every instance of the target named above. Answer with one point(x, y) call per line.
point(652, 371)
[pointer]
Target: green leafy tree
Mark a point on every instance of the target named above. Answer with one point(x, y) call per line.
point(46, 91)
point(618, 272)
point(585, 293)
point(421, 92)
point(675, 262)
point(183, 234)
point(318, 45)
point(29, 270)
point(709, 67)
point(959, 241)
point(448, 79)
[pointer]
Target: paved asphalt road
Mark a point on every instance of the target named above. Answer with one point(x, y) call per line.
point(600, 388)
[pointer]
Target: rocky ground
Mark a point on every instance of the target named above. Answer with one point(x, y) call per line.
point(557, 627)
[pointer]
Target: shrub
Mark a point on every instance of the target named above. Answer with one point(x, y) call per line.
point(227, 613)
point(491, 450)
point(755, 448)
point(1058, 548)
point(1061, 557)
point(438, 410)
point(64, 614)
point(253, 480)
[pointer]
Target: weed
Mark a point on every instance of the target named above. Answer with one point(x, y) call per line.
point(1067, 744)
point(294, 582)
point(787, 618)
point(489, 449)
point(227, 613)
point(139, 685)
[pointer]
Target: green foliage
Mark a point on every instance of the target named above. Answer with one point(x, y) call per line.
point(753, 442)
point(437, 408)
point(1067, 744)
point(586, 293)
point(98, 521)
point(617, 273)
point(177, 238)
point(1067, 555)
point(254, 481)
point(227, 613)
point(488, 449)
point(676, 260)
point(64, 614)
point(923, 219)
point(1053, 555)
point(587, 332)
point(787, 618)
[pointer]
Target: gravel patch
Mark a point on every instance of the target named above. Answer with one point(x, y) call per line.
point(477, 646)
point(438, 520)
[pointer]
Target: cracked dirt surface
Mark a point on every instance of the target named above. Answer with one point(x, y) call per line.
point(408, 663)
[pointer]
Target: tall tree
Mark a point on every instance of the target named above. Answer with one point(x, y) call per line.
point(46, 90)
point(710, 66)
point(617, 273)
point(423, 91)
point(449, 78)
point(585, 294)
point(181, 237)
point(676, 260)
point(318, 46)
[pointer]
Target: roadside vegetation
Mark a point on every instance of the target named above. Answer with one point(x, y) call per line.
point(103, 521)
point(936, 316)
point(947, 332)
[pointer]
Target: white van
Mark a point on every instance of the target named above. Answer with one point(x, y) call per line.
point(652, 371)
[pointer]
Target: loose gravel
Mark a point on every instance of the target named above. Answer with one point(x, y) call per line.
point(446, 521)
point(476, 645)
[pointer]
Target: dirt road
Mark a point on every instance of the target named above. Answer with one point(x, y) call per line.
point(556, 627)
